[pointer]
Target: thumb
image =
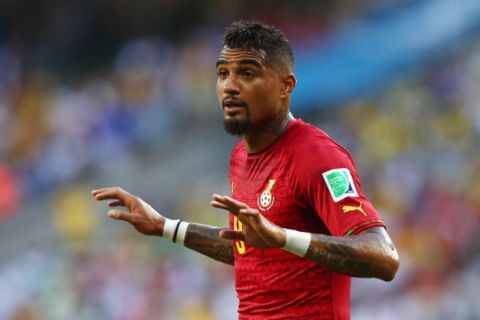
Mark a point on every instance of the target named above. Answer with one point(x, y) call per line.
point(232, 235)
point(119, 215)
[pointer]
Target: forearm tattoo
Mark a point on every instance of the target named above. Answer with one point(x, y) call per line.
point(337, 256)
point(205, 240)
point(358, 256)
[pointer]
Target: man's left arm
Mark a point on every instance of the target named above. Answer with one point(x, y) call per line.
point(370, 253)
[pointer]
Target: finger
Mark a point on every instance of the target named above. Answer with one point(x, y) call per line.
point(249, 212)
point(235, 203)
point(102, 194)
point(220, 202)
point(250, 217)
point(94, 192)
point(110, 193)
point(115, 203)
point(120, 215)
point(218, 198)
point(219, 205)
point(232, 235)
point(229, 202)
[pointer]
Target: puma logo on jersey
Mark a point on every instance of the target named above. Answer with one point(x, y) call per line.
point(347, 209)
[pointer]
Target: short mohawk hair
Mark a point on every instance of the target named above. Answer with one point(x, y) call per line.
point(248, 35)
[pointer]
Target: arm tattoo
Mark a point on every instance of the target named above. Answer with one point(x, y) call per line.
point(363, 255)
point(337, 255)
point(205, 240)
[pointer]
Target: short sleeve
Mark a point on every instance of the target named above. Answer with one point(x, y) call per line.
point(331, 186)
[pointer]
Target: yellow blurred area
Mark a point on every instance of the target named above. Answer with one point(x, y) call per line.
point(75, 218)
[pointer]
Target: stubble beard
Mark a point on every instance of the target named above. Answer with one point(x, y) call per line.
point(237, 127)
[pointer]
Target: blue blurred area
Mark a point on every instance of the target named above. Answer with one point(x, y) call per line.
point(103, 93)
point(362, 57)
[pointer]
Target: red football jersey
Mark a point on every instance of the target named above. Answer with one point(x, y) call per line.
point(306, 182)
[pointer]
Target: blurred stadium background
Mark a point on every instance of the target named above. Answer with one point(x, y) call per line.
point(98, 93)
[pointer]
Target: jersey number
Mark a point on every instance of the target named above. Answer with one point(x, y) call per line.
point(238, 226)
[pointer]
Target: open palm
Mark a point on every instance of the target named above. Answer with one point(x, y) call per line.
point(257, 230)
point(140, 214)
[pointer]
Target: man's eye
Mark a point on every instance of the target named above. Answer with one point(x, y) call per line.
point(222, 73)
point(248, 74)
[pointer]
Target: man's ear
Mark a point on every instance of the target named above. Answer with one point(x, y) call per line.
point(288, 84)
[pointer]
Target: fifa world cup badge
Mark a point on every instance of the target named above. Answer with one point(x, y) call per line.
point(265, 201)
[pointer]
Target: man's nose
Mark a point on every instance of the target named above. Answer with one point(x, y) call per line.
point(230, 85)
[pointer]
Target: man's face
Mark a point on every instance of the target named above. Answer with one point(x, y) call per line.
point(248, 90)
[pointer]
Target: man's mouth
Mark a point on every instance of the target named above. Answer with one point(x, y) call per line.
point(232, 106)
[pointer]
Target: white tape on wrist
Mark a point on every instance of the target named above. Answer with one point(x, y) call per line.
point(169, 228)
point(297, 242)
point(181, 232)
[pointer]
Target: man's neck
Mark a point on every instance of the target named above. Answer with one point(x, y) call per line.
point(259, 139)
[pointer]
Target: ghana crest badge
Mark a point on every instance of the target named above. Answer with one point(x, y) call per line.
point(265, 201)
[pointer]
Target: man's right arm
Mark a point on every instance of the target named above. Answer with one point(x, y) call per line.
point(146, 220)
point(206, 240)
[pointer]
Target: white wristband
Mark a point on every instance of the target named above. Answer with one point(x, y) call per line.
point(181, 232)
point(169, 228)
point(297, 242)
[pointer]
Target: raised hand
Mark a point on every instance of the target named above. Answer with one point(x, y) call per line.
point(140, 214)
point(257, 231)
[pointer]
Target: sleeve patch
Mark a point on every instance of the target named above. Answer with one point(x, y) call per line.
point(340, 184)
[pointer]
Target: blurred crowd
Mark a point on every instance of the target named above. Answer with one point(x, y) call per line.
point(416, 146)
point(417, 149)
